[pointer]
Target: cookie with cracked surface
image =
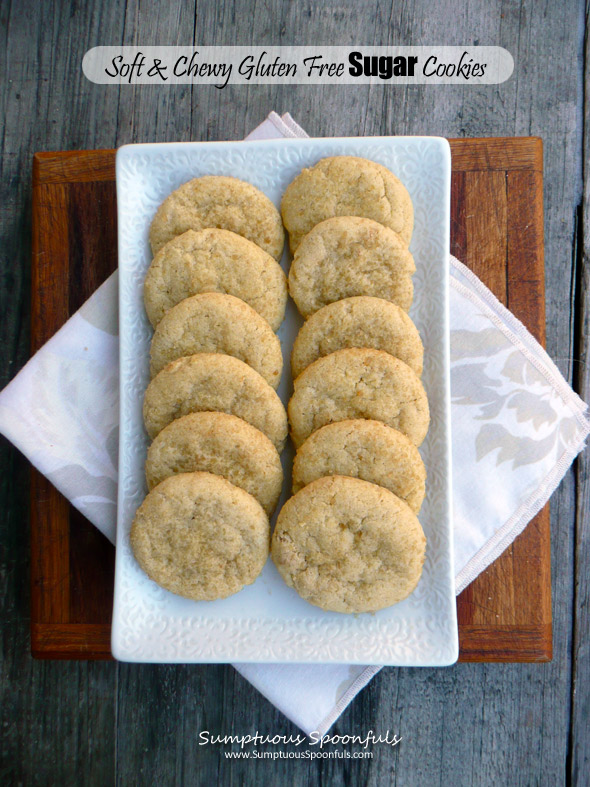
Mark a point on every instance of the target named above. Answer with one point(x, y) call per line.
point(200, 537)
point(346, 186)
point(215, 260)
point(223, 202)
point(216, 323)
point(362, 321)
point(216, 383)
point(222, 444)
point(363, 449)
point(359, 383)
point(346, 545)
point(348, 256)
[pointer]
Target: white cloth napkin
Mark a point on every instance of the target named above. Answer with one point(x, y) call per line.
point(516, 426)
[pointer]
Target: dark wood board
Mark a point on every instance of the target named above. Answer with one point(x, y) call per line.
point(497, 230)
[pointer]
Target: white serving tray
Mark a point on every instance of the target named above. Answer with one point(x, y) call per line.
point(267, 621)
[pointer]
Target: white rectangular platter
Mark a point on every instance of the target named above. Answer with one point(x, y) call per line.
point(267, 621)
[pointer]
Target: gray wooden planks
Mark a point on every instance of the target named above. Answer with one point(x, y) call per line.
point(579, 753)
point(472, 724)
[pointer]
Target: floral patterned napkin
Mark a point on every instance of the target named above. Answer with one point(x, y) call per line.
point(516, 426)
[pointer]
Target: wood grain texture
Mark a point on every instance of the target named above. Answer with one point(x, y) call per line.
point(503, 245)
point(73, 166)
point(474, 724)
point(71, 565)
point(579, 751)
point(71, 640)
point(492, 155)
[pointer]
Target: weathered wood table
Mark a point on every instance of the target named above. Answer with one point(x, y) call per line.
point(99, 722)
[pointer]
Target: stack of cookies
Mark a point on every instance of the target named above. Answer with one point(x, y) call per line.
point(215, 295)
point(349, 539)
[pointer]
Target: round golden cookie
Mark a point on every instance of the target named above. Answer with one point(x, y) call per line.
point(222, 444)
point(200, 537)
point(363, 449)
point(349, 256)
point(223, 202)
point(346, 186)
point(214, 260)
point(359, 383)
point(346, 545)
point(358, 322)
point(218, 383)
point(216, 323)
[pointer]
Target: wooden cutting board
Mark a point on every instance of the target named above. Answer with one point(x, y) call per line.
point(497, 230)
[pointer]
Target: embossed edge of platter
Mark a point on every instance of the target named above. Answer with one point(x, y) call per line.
point(427, 636)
